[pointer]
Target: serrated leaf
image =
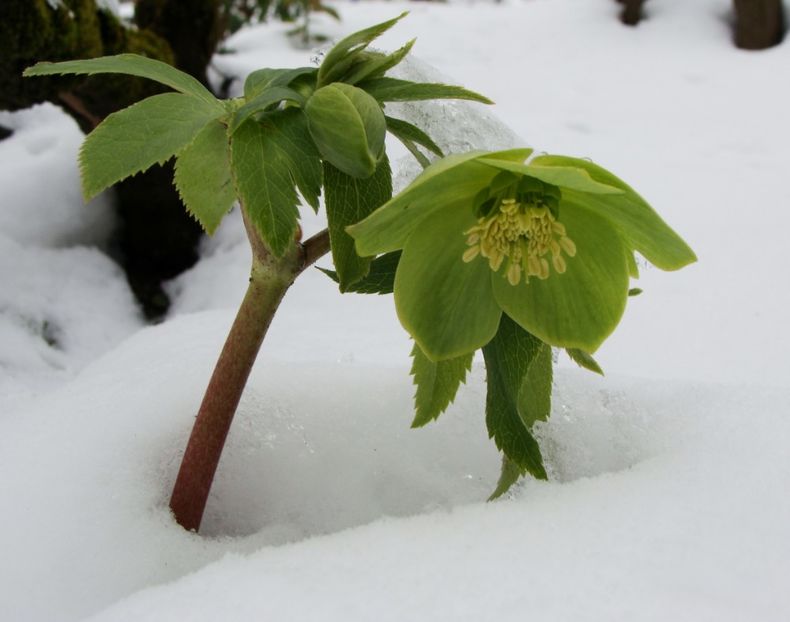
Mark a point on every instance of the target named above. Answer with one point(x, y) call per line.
point(409, 134)
point(265, 164)
point(348, 127)
point(584, 360)
point(132, 140)
point(422, 160)
point(508, 476)
point(534, 396)
point(395, 90)
point(203, 179)
point(131, 65)
point(267, 97)
point(509, 357)
point(339, 58)
point(437, 384)
point(262, 79)
point(376, 64)
point(380, 278)
point(349, 200)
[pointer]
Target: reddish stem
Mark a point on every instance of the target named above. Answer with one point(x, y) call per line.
point(269, 280)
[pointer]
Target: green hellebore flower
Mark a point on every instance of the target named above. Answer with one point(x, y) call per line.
point(551, 243)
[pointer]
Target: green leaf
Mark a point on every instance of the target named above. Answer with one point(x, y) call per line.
point(380, 279)
point(534, 396)
point(349, 200)
point(289, 133)
point(266, 164)
point(395, 90)
point(423, 161)
point(266, 98)
point(340, 57)
point(437, 384)
point(644, 228)
point(582, 306)
point(508, 476)
point(348, 127)
point(445, 304)
point(132, 140)
point(405, 131)
point(203, 177)
point(584, 360)
point(266, 78)
point(452, 181)
point(635, 291)
point(510, 358)
point(564, 177)
point(374, 64)
point(132, 65)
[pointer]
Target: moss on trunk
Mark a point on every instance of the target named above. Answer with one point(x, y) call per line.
point(156, 237)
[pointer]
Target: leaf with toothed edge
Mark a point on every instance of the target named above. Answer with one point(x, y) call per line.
point(261, 171)
point(132, 140)
point(266, 98)
point(203, 179)
point(395, 90)
point(518, 372)
point(349, 200)
point(584, 360)
point(338, 60)
point(411, 136)
point(266, 78)
point(132, 65)
point(509, 475)
point(380, 278)
point(375, 64)
point(437, 383)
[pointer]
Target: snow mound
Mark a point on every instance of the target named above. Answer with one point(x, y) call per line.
point(39, 182)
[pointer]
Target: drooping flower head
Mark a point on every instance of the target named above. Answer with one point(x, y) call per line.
point(550, 242)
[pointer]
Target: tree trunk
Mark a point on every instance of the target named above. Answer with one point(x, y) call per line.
point(156, 238)
point(631, 14)
point(759, 24)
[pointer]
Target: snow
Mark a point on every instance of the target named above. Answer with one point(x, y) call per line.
point(668, 477)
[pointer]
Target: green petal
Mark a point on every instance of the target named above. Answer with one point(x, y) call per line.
point(573, 178)
point(581, 307)
point(445, 304)
point(642, 226)
point(451, 181)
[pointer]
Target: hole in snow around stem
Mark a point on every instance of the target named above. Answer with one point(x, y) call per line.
point(315, 450)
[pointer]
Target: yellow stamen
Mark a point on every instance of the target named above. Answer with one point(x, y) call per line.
point(523, 234)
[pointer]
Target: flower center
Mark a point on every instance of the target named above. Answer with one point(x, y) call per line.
point(522, 234)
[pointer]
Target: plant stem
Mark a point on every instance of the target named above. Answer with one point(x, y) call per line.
point(270, 278)
point(222, 396)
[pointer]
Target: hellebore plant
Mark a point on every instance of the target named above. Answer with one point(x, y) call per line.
point(491, 251)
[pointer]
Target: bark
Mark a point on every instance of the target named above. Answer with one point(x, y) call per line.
point(631, 14)
point(192, 28)
point(759, 24)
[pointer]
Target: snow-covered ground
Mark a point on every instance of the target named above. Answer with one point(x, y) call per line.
point(669, 477)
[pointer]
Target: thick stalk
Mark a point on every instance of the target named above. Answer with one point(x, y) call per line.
point(270, 278)
point(203, 451)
